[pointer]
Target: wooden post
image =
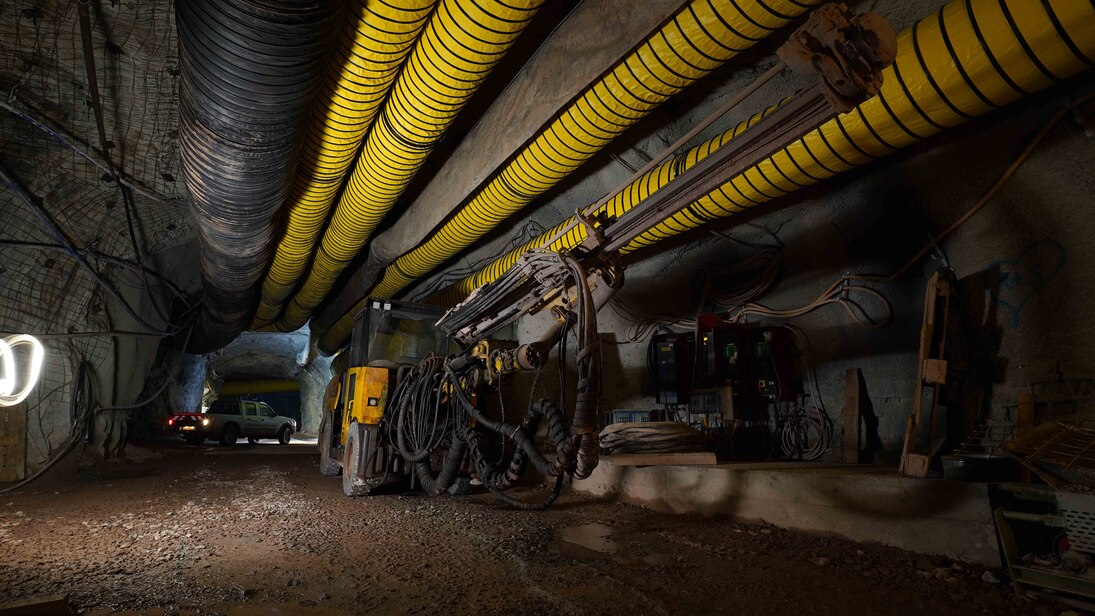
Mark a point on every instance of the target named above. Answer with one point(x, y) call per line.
point(931, 374)
point(850, 454)
point(13, 443)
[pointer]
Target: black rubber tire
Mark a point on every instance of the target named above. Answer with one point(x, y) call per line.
point(194, 439)
point(328, 464)
point(350, 463)
point(285, 435)
point(252, 440)
point(229, 435)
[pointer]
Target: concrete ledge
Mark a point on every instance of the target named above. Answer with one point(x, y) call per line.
point(930, 516)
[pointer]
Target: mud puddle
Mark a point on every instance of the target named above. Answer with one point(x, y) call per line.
point(598, 542)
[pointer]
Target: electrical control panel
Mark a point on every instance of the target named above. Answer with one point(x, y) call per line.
point(672, 361)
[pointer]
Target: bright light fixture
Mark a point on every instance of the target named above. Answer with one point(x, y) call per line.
point(9, 379)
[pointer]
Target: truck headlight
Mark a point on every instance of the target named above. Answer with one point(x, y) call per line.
point(205, 421)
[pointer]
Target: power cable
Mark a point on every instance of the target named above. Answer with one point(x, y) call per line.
point(105, 145)
point(51, 226)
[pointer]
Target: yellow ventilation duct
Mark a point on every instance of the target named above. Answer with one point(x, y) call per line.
point(965, 60)
point(701, 37)
point(462, 42)
point(371, 49)
point(638, 190)
point(623, 201)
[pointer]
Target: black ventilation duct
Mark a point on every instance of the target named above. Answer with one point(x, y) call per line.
point(249, 71)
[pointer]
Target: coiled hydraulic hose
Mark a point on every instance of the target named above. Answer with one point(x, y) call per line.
point(968, 58)
point(462, 42)
point(701, 37)
point(371, 48)
point(249, 71)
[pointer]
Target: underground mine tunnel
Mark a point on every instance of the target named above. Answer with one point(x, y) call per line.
point(547, 307)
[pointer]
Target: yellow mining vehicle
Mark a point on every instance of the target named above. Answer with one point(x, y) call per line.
point(389, 338)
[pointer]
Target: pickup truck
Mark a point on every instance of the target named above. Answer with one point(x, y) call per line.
point(228, 420)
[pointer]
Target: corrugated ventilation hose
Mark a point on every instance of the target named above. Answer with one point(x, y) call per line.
point(638, 190)
point(371, 48)
point(462, 42)
point(623, 201)
point(249, 72)
point(967, 59)
point(701, 37)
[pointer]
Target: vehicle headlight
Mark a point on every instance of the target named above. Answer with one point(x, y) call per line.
point(205, 421)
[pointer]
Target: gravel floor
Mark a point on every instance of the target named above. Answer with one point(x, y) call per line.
point(196, 531)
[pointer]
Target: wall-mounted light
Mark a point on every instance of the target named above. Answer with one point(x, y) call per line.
point(9, 370)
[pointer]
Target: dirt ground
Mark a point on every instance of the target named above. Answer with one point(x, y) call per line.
point(257, 530)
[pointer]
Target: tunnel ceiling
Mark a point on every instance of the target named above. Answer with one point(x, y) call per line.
point(49, 146)
point(257, 355)
point(426, 99)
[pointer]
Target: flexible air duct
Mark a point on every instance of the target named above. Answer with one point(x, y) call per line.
point(701, 37)
point(638, 190)
point(374, 42)
point(462, 42)
point(965, 60)
point(623, 201)
point(249, 71)
point(592, 36)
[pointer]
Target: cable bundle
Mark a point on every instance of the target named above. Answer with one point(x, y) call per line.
point(840, 293)
point(650, 437)
point(432, 407)
point(805, 434)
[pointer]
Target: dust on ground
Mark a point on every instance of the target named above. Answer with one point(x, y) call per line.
point(199, 532)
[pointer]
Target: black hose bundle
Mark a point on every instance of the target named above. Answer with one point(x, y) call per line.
point(432, 405)
point(249, 70)
point(650, 437)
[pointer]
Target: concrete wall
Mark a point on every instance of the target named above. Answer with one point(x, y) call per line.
point(947, 518)
point(1022, 262)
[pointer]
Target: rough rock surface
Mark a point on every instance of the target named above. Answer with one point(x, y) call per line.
point(259, 531)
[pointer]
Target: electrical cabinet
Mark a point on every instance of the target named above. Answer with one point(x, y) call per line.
point(673, 359)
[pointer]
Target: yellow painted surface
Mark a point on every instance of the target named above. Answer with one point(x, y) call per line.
point(365, 397)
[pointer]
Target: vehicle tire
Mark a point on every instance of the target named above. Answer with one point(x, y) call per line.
point(252, 440)
point(285, 435)
point(328, 464)
point(351, 463)
point(229, 435)
point(195, 439)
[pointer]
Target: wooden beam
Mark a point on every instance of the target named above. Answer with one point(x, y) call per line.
point(13, 443)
